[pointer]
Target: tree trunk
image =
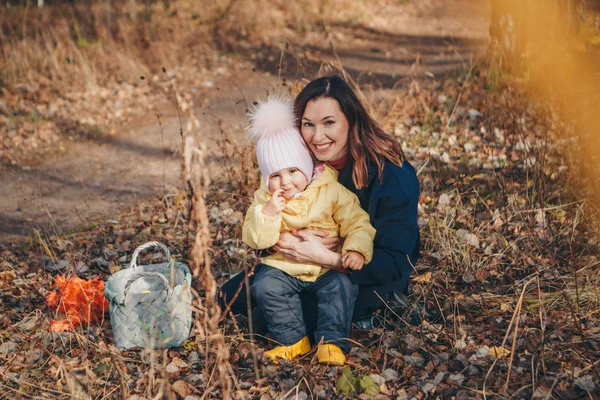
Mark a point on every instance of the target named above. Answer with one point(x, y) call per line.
point(518, 26)
point(589, 11)
point(507, 18)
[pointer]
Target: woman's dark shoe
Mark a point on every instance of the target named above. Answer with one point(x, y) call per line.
point(412, 312)
point(367, 323)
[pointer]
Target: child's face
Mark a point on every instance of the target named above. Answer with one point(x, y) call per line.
point(290, 180)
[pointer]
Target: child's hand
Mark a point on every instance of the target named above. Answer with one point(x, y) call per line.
point(275, 205)
point(353, 260)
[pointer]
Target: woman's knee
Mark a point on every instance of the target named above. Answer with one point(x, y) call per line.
point(228, 289)
point(232, 295)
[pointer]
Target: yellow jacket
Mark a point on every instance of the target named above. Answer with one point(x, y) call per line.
point(325, 205)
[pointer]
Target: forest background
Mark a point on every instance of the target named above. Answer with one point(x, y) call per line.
point(122, 122)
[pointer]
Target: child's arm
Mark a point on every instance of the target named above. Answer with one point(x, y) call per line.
point(355, 228)
point(263, 221)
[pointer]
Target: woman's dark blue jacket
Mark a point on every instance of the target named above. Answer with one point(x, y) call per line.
point(392, 204)
point(392, 207)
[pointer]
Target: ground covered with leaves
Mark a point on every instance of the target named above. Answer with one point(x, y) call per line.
point(508, 272)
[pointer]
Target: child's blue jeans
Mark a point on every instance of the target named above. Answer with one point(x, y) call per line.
point(277, 295)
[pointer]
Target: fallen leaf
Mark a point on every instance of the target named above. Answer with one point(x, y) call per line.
point(182, 388)
point(470, 238)
point(29, 322)
point(505, 307)
point(172, 368)
point(481, 275)
point(424, 278)
point(368, 386)
point(390, 374)
point(6, 276)
point(346, 383)
point(8, 347)
point(498, 352)
point(179, 363)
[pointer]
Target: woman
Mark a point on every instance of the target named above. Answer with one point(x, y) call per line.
point(337, 129)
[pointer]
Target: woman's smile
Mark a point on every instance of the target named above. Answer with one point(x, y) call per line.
point(323, 147)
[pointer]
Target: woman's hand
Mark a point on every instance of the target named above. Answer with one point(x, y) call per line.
point(310, 249)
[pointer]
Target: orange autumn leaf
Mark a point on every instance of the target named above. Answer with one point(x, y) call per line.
point(52, 299)
point(60, 281)
point(61, 325)
point(78, 302)
point(425, 278)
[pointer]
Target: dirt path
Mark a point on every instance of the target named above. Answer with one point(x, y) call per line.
point(98, 178)
point(425, 38)
point(105, 175)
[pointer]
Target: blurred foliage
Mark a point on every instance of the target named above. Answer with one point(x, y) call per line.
point(553, 47)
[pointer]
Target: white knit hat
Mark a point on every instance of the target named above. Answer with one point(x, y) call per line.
point(278, 142)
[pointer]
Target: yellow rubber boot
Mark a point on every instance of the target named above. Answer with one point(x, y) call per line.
point(289, 352)
point(331, 354)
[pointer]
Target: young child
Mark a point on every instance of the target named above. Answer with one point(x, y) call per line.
point(294, 195)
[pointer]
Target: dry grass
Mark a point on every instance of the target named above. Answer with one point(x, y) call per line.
point(53, 46)
point(209, 338)
point(91, 43)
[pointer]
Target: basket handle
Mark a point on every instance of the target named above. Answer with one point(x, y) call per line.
point(139, 275)
point(145, 246)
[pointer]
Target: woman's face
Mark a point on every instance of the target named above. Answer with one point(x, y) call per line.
point(325, 129)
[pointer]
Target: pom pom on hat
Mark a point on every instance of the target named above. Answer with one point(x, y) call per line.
point(271, 117)
point(279, 145)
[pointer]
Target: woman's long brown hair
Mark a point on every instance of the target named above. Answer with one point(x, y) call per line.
point(366, 140)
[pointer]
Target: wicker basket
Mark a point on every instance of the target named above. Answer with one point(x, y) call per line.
point(150, 305)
